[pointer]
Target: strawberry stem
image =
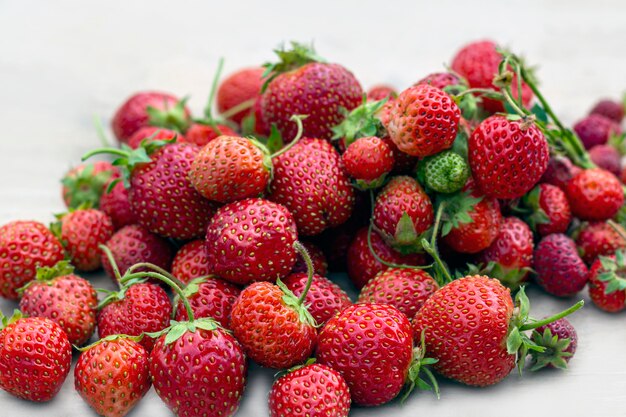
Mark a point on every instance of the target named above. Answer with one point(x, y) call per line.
point(110, 151)
point(299, 247)
point(297, 118)
point(111, 258)
point(548, 320)
point(431, 248)
point(238, 108)
point(208, 110)
point(97, 122)
point(157, 269)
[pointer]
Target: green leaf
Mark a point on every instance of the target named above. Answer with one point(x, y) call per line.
point(290, 299)
point(540, 113)
point(521, 299)
point(274, 140)
point(405, 233)
point(174, 118)
point(362, 121)
point(175, 332)
point(513, 341)
point(290, 59)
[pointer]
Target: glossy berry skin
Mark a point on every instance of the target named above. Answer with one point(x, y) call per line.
point(559, 269)
point(466, 325)
point(82, 231)
point(324, 299)
point(381, 92)
point(163, 197)
point(199, 134)
point(153, 133)
point(310, 181)
point(553, 202)
point(562, 329)
point(560, 171)
point(607, 158)
point(363, 266)
point(214, 299)
point(313, 390)
point(239, 87)
point(596, 130)
point(251, 240)
point(228, 169)
point(200, 374)
point(595, 194)
point(371, 345)
point(113, 376)
point(368, 159)
point(423, 120)
point(598, 239)
point(270, 331)
point(317, 89)
point(191, 261)
point(611, 303)
point(610, 109)
point(25, 246)
point(68, 300)
point(507, 158)
point(35, 358)
point(320, 264)
point(405, 289)
point(86, 183)
point(134, 244)
point(116, 205)
point(144, 308)
point(440, 80)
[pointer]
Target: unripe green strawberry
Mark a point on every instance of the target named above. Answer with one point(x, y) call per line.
point(445, 172)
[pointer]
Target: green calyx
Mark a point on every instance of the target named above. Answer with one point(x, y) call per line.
point(46, 274)
point(362, 121)
point(382, 261)
point(467, 103)
point(290, 299)
point(174, 118)
point(290, 59)
point(5, 321)
point(364, 185)
point(420, 376)
point(446, 172)
point(284, 372)
point(555, 350)
point(177, 329)
point(457, 209)
point(509, 277)
point(534, 213)
point(110, 338)
point(612, 272)
point(85, 187)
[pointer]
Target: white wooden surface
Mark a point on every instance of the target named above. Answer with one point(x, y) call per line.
point(61, 62)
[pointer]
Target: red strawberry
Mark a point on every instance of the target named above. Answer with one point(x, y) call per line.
point(153, 133)
point(423, 120)
point(560, 170)
point(299, 84)
point(211, 298)
point(403, 212)
point(598, 239)
point(604, 272)
point(320, 264)
point(560, 340)
point(507, 157)
point(82, 231)
point(35, 357)
point(86, 183)
point(560, 271)
point(313, 390)
point(201, 134)
point(440, 80)
point(112, 376)
point(251, 240)
point(363, 266)
point(404, 288)
point(24, 247)
point(368, 160)
point(550, 209)
point(116, 205)
point(607, 158)
point(595, 194)
point(238, 88)
point(323, 300)
point(310, 181)
point(64, 298)
point(381, 92)
point(610, 109)
point(191, 261)
point(134, 244)
point(596, 130)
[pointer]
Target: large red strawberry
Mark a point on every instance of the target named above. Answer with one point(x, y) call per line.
point(209, 297)
point(423, 120)
point(320, 264)
point(404, 288)
point(598, 239)
point(596, 130)
point(85, 183)
point(191, 261)
point(312, 390)
point(112, 376)
point(241, 89)
point(153, 133)
point(550, 209)
point(507, 157)
point(607, 283)
point(251, 240)
point(559, 269)
point(301, 84)
point(200, 134)
point(368, 160)
point(595, 194)
point(310, 180)
point(81, 232)
point(64, 298)
point(560, 170)
point(24, 247)
point(115, 204)
point(35, 357)
point(610, 109)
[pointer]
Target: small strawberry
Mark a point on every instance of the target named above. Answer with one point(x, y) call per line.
point(607, 158)
point(209, 297)
point(607, 279)
point(610, 109)
point(381, 92)
point(153, 133)
point(81, 232)
point(560, 170)
point(86, 183)
point(550, 211)
point(191, 261)
point(112, 376)
point(312, 390)
point(237, 90)
point(440, 80)
point(423, 120)
point(598, 239)
point(24, 247)
point(559, 339)
point(115, 204)
point(251, 240)
point(507, 157)
point(595, 194)
point(320, 264)
point(64, 298)
point(404, 288)
point(596, 130)
point(446, 172)
point(200, 134)
point(368, 160)
point(559, 269)
point(35, 357)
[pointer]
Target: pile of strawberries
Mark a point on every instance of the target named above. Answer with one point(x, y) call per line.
point(224, 233)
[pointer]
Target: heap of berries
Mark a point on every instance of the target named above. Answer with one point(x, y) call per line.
point(224, 236)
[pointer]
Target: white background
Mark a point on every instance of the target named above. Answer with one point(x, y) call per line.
point(61, 62)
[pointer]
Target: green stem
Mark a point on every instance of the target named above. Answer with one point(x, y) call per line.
point(111, 151)
point(100, 131)
point(208, 110)
point(543, 322)
point(158, 269)
point(299, 247)
point(238, 108)
point(432, 248)
point(298, 120)
point(482, 91)
point(111, 258)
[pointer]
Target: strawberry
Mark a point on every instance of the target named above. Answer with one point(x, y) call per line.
point(310, 181)
point(312, 390)
point(404, 288)
point(81, 232)
point(507, 157)
point(133, 244)
point(148, 108)
point(446, 172)
point(238, 89)
point(607, 158)
point(191, 261)
point(35, 357)
point(598, 239)
point(560, 271)
point(64, 298)
point(595, 194)
point(550, 211)
point(560, 170)
point(209, 297)
point(116, 205)
point(251, 240)
point(596, 130)
point(320, 264)
point(24, 247)
point(324, 298)
point(381, 92)
point(403, 212)
point(301, 83)
point(423, 120)
point(368, 160)
point(112, 376)
point(440, 80)
point(606, 283)
point(363, 265)
point(200, 134)
point(610, 109)
point(153, 133)
point(560, 340)
point(86, 183)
